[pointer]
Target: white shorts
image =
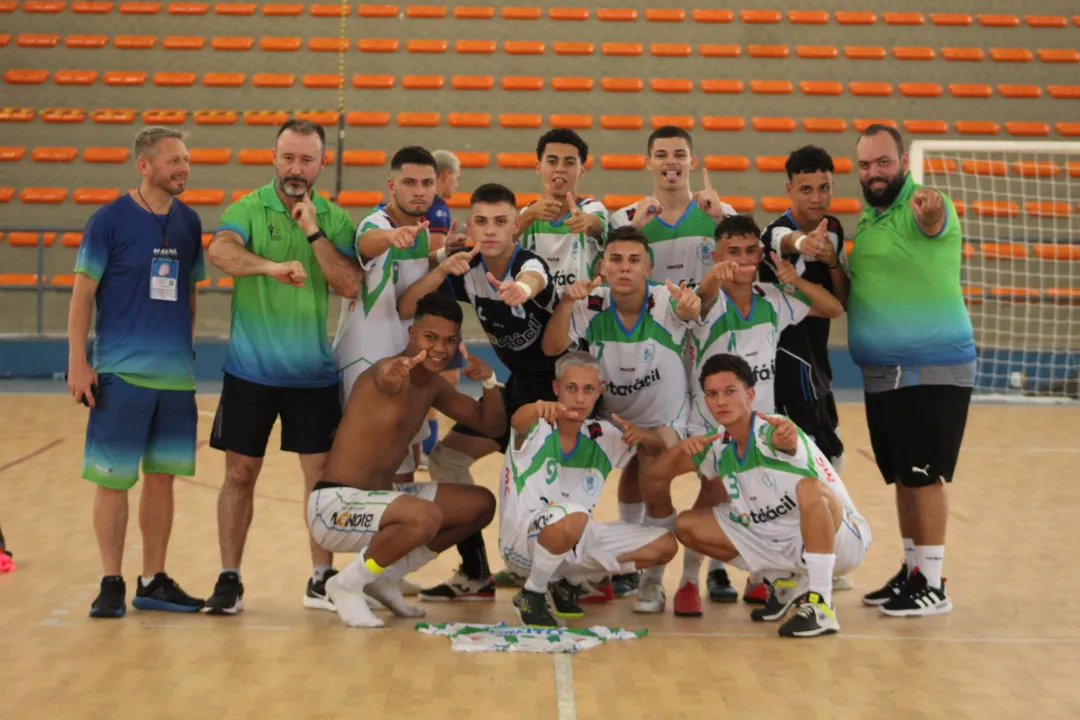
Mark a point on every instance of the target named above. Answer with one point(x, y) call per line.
point(344, 519)
point(346, 379)
point(595, 554)
point(758, 554)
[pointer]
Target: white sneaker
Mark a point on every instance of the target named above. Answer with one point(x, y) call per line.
point(842, 582)
point(351, 605)
point(650, 597)
point(409, 588)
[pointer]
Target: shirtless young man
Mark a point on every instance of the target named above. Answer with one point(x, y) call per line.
point(395, 529)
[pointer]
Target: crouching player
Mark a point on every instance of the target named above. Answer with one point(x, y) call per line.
point(554, 471)
point(783, 511)
point(395, 529)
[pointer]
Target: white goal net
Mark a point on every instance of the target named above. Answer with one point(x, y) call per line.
point(1019, 205)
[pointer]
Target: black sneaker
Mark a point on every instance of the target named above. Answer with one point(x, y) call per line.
point(228, 597)
point(162, 593)
point(720, 589)
point(918, 598)
point(626, 585)
point(461, 588)
point(813, 618)
point(783, 593)
point(315, 598)
point(532, 609)
point(890, 590)
point(565, 597)
point(110, 600)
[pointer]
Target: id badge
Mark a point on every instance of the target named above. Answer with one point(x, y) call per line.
point(164, 277)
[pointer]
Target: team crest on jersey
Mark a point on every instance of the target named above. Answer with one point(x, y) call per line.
point(648, 352)
point(705, 252)
point(592, 482)
point(518, 311)
point(595, 431)
point(574, 249)
point(595, 303)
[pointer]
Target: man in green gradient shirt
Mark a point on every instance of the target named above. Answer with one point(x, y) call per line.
point(909, 331)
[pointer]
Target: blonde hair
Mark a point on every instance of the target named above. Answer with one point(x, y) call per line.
point(578, 358)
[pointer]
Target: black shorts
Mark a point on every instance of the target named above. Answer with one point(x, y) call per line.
point(818, 419)
point(247, 412)
point(514, 395)
point(916, 432)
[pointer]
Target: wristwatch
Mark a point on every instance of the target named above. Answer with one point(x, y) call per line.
point(316, 235)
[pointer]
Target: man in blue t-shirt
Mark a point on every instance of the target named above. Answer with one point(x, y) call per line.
point(139, 260)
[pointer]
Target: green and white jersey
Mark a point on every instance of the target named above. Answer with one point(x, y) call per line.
point(761, 483)
point(754, 338)
point(538, 474)
point(681, 252)
point(569, 256)
point(643, 366)
point(370, 328)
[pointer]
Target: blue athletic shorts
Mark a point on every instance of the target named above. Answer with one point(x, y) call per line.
point(130, 424)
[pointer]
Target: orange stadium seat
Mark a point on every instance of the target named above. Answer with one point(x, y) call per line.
point(611, 84)
point(140, 8)
point(522, 13)
point(686, 122)
point(359, 198)
point(26, 77)
point(433, 12)
point(808, 17)
point(864, 52)
point(921, 89)
point(873, 89)
point(1011, 55)
point(33, 40)
point(124, 77)
point(824, 124)
point(187, 8)
point(327, 44)
point(134, 42)
point(671, 49)
point(616, 14)
point(1045, 208)
point(377, 45)
point(977, 127)
point(775, 203)
point(821, 87)
point(17, 114)
point(1064, 92)
point(325, 10)
point(1063, 295)
point(523, 47)
point(517, 82)
point(18, 279)
point(234, 8)
point(615, 161)
point(465, 12)
point(164, 116)
point(950, 19)
point(210, 156)
point(903, 18)
point(367, 118)
point(174, 79)
point(1059, 55)
point(43, 6)
point(418, 45)
point(1036, 169)
point(861, 124)
point(225, 283)
point(1046, 21)
point(913, 53)
point(418, 119)
point(573, 48)
point(220, 79)
point(75, 77)
point(105, 154)
point(468, 119)
point(665, 15)
point(728, 87)
point(727, 163)
point(1015, 294)
point(86, 42)
point(184, 42)
point(472, 82)
point(1019, 91)
point(94, 196)
point(768, 51)
point(622, 122)
point(1056, 251)
point(95, 8)
point(963, 54)
point(926, 127)
point(999, 20)
point(203, 197)
point(760, 17)
point(473, 159)
point(12, 153)
point(475, 47)
point(817, 52)
point(568, 13)
point(71, 239)
point(1027, 129)
point(232, 43)
point(6, 193)
point(572, 121)
point(723, 123)
point(422, 82)
point(364, 158)
point(36, 195)
point(572, 84)
point(215, 117)
point(373, 82)
point(712, 16)
point(1069, 129)
point(720, 51)
point(773, 124)
point(113, 116)
point(667, 85)
point(63, 115)
point(621, 49)
point(855, 17)
point(273, 80)
point(771, 87)
point(970, 90)
point(255, 156)
point(770, 163)
point(30, 239)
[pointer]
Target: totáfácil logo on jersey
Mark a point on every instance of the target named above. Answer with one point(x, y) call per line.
point(563, 279)
point(763, 373)
point(765, 515)
point(351, 520)
point(636, 386)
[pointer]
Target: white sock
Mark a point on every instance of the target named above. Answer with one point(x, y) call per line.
point(715, 564)
point(415, 560)
point(929, 559)
point(545, 564)
point(632, 512)
point(668, 523)
point(691, 566)
point(909, 554)
point(318, 573)
point(357, 574)
point(819, 566)
point(756, 577)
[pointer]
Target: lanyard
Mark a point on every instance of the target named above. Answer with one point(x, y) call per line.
point(164, 225)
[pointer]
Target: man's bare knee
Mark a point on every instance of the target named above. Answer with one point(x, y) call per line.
point(415, 515)
point(560, 536)
point(664, 549)
point(241, 472)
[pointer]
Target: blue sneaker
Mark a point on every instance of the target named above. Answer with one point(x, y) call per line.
point(110, 600)
point(162, 593)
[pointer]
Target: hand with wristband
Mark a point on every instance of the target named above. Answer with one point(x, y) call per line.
point(478, 370)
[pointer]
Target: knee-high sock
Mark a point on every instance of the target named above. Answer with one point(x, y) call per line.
point(691, 566)
point(668, 523)
point(545, 564)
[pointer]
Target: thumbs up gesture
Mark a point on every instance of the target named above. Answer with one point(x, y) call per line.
point(578, 222)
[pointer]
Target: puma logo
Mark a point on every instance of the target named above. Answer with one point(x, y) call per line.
point(923, 471)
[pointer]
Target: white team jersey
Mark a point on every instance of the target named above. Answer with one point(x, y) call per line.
point(538, 474)
point(681, 252)
point(643, 365)
point(761, 485)
point(370, 328)
point(754, 338)
point(569, 256)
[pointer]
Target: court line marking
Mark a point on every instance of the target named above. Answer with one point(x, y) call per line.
point(564, 687)
point(900, 638)
point(19, 460)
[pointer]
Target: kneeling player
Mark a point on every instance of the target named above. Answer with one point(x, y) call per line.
point(783, 511)
point(396, 529)
point(555, 469)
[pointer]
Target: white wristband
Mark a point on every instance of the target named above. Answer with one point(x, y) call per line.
point(525, 288)
point(799, 242)
point(490, 382)
point(440, 255)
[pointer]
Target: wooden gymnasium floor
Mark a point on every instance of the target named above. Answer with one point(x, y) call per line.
point(1010, 648)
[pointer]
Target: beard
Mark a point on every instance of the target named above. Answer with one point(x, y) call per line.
point(884, 198)
point(168, 185)
point(291, 189)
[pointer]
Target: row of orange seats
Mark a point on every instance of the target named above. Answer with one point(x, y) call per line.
point(527, 160)
point(370, 198)
point(537, 47)
point(488, 12)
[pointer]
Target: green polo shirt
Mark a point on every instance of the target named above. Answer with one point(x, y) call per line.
point(906, 306)
point(278, 334)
